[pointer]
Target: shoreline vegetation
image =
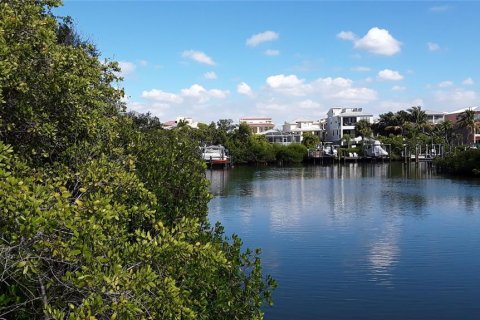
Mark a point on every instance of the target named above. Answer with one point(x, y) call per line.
point(103, 214)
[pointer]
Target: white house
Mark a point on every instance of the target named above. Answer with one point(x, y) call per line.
point(341, 121)
point(435, 117)
point(301, 126)
point(174, 123)
point(258, 124)
point(279, 137)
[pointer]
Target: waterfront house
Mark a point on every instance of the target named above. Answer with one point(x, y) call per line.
point(452, 116)
point(279, 137)
point(174, 123)
point(341, 121)
point(301, 126)
point(435, 117)
point(258, 124)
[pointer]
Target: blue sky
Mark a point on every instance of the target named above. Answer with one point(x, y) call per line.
point(214, 60)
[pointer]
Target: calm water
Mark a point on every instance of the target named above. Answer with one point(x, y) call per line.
point(378, 241)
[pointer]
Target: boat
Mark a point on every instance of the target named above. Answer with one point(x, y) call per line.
point(329, 150)
point(215, 155)
point(375, 150)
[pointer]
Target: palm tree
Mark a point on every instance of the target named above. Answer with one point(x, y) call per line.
point(445, 130)
point(466, 120)
point(417, 116)
point(364, 128)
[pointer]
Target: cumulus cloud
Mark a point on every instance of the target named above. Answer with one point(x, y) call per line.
point(210, 75)
point(244, 89)
point(262, 37)
point(126, 68)
point(272, 52)
point(376, 41)
point(289, 85)
point(199, 94)
point(468, 82)
point(445, 84)
point(309, 104)
point(335, 89)
point(162, 96)
point(346, 35)
point(195, 93)
point(432, 46)
point(198, 56)
point(388, 74)
point(456, 97)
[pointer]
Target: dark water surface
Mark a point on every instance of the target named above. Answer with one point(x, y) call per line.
point(371, 241)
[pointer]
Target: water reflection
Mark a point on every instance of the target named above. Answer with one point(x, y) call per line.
point(368, 241)
point(384, 253)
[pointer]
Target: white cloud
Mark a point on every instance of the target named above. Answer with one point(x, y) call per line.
point(259, 38)
point(198, 56)
point(271, 106)
point(210, 75)
point(456, 97)
point(143, 63)
point(379, 41)
point(342, 89)
point(441, 8)
point(201, 95)
point(468, 82)
point(289, 85)
point(272, 52)
point(398, 88)
point(309, 104)
point(388, 74)
point(360, 69)
point(156, 109)
point(162, 96)
point(346, 35)
point(432, 46)
point(445, 84)
point(218, 94)
point(244, 89)
point(126, 68)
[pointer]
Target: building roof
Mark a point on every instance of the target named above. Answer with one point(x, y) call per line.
point(464, 109)
point(353, 114)
point(431, 112)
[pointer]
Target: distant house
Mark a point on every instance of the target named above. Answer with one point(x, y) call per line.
point(174, 123)
point(279, 137)
point(341, 121)
point(258, 124)
point(301, 126)
point(452, 116)
point(435, 117)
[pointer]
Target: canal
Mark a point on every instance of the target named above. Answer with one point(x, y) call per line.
point(358, 241)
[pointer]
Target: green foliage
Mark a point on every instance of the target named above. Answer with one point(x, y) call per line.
point(462, 162)
point(396, 145)
point(310, 140)
point(292, 153)
point(364, 128)
point(103, 215)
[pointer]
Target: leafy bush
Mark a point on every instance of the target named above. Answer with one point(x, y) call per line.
point(465, 163)
point(102, 215)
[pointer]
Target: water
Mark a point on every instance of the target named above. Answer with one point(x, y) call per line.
point(372, 241)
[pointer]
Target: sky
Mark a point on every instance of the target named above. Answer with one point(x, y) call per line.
point(212, 60)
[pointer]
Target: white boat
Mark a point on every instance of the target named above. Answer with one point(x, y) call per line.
point(375, 150)
point(329, 150)
point(216, 154)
